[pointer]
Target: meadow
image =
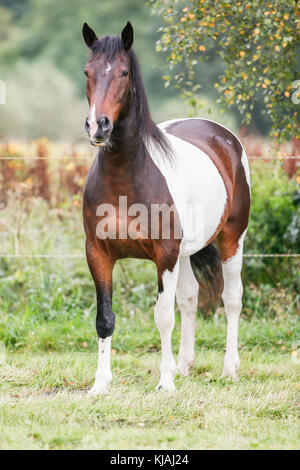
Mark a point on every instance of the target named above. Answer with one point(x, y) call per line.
point(49, 343)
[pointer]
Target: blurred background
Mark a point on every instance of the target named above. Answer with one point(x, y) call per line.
point(42, 55)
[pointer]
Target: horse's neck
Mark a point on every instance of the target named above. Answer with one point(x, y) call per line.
point(127, 148)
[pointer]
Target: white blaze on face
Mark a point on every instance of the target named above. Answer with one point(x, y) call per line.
point(92, 121)
point(108, 68)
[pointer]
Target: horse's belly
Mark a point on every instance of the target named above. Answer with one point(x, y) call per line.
point(198, 192)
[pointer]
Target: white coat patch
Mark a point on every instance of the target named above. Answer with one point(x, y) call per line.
point(244, 159)
point(197, 189)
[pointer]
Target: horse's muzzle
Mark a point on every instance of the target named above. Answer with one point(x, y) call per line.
point(102, 134)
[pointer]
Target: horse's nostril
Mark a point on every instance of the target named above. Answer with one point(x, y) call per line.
point(103, 123)
point(86, 125)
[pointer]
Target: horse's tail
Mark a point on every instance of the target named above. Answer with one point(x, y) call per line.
point(207, 268)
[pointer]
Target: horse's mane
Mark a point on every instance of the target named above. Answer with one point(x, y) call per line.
point(110, 47)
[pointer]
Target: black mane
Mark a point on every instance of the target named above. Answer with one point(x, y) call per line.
point(109, 47)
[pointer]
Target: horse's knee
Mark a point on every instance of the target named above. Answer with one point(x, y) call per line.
point(232, 304)
point(164, 312)
point(187, 289)
point(164, 317)
point(232, 294)
point(187, 303)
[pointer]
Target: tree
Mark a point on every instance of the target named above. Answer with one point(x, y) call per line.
point(256, 40)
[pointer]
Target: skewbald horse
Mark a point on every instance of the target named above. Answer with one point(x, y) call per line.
point(194, 163)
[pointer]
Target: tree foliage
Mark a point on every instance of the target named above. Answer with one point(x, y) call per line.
point(257, 41)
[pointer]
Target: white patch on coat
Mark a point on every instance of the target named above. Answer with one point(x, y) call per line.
point(244, 158)
point(165, 320)
point(103, 375)
point(108, 68)
point(197, 189)
point(232, 298)
point(187, 300)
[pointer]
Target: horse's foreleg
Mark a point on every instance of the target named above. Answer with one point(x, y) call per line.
point(101, 270)
point(232, 298)
point(164, 319)
point(187, 299)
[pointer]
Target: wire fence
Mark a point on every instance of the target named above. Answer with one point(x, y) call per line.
point(61, 255)
point(252, 157)
point(71, 256)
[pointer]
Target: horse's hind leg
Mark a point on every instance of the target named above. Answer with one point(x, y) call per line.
point(187, 299)
point(164, 319)
point(232, 298)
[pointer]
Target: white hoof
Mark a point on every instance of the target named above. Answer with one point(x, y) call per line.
point(231, 366)
point(166, 384)
point(230, 374)
point(184, 367)
point(100, 387)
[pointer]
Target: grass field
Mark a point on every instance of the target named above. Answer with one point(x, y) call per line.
point(44, 404)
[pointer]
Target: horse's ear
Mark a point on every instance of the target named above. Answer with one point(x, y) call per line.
point(127, 36)
point(89, 35)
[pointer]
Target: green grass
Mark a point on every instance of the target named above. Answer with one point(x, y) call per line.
point(44, 404)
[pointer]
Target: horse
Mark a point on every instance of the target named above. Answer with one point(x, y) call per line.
point(193, 170)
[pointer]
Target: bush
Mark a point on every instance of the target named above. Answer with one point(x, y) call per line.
point(274, 226)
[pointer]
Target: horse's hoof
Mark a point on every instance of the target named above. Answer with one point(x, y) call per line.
point(166, 387)
point(98, 389)
point(184, 368)
point(231, 366)
point(230, 375)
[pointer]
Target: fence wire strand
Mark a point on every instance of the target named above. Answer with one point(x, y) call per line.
point(258, 157)
point(50, 255)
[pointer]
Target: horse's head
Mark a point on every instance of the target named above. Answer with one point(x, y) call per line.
point(108, 81)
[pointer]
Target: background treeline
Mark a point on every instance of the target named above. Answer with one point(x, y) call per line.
point(42, 55)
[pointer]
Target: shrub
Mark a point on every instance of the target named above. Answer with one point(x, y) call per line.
point(274, 226)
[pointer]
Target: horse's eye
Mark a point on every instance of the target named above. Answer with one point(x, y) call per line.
point(124, 73)
point(85, 73)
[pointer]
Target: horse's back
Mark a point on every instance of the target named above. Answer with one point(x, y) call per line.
point(219, 143)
